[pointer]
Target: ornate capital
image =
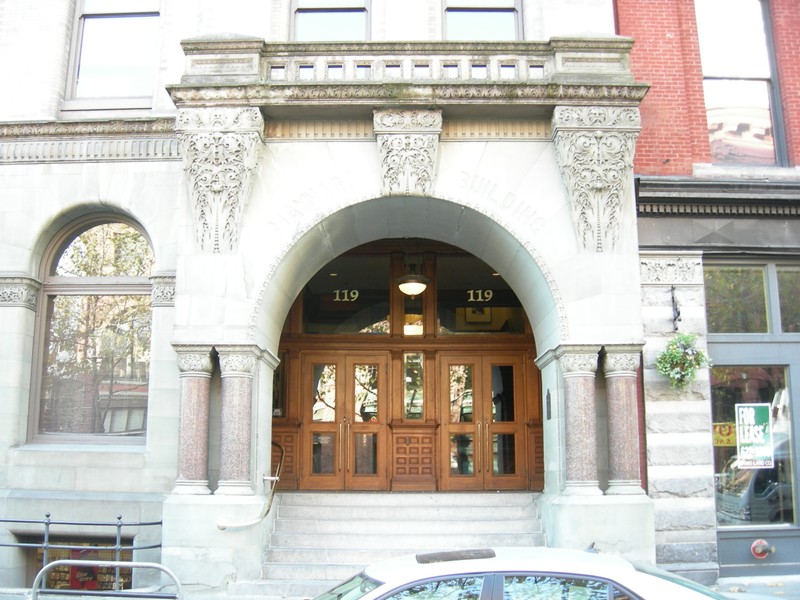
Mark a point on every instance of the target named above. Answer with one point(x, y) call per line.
point(594, 147)
point(407, 142)
point(238, 360)
point(19, 291)
point(163, 291)
point(220, 151)
point(578, 360)
point(194, 360)
point(621, 361)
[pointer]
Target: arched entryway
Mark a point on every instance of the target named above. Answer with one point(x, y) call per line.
point(432, 390)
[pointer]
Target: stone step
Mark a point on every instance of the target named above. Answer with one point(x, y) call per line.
point(447, 499)
point(411, 513)
point(386, 526)
point(409, 542)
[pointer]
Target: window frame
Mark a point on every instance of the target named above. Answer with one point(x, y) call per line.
point(773, 96)
point(772, 349)
point(483, 6)
point(331, 6)
point(54, 286)
point(84, 10)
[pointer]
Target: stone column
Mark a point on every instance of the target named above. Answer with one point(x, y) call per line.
point(594, 147)
point(408, 141)
point(578, 367)
point(621, 364)
point(195, 365)
point(237, 364)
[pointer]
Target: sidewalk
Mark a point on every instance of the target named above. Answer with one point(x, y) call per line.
point(786, 586)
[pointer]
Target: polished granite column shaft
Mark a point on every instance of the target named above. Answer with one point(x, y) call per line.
point(195, 383)
point(578, 366)
point(237, 364)
point(620, 369)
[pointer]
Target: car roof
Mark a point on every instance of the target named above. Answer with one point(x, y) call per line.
point(455, 562)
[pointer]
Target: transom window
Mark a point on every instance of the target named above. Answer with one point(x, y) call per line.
point(475, 20)
point(331, 20)
point(739, 85)
point(115, 54)
point(95, 369)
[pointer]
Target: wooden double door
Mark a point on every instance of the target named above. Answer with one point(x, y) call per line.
point(464, 424)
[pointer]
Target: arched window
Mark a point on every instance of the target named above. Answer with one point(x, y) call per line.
point(96, 350)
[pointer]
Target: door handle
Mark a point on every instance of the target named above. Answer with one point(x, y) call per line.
point(488, 448)
point(347, 447)
point(478, 450)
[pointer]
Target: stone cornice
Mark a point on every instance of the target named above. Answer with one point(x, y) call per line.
point(717, 198)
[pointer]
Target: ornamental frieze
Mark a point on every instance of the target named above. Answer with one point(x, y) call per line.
point(163, 290)
point(19, 291)
point(407, 145)
point(668, 270)
point(221, 147)
point(594, 148)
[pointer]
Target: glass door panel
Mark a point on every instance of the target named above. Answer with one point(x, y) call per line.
point(484, 432)
point(365, 422)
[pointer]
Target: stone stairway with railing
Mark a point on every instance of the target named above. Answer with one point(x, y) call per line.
point(320, 538)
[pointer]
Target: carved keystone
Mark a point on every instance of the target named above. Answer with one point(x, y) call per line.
point(407, 143)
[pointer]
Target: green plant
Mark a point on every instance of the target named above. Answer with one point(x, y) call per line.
point(680, 360)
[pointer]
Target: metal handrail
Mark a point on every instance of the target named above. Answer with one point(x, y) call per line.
point(116, 564)
point(224, 525)
point(46, 545)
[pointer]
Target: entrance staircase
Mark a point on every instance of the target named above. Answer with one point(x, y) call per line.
point(320, 538)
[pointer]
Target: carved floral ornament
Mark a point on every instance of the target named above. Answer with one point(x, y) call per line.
point(194, 360)
point(594, 147)
point(19, 291)
point(407, 144)
point(221, 149)
point(578, 360)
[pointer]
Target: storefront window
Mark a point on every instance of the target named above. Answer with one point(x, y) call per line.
point(752, 445)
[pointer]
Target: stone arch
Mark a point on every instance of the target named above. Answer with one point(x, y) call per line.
point(458, 224)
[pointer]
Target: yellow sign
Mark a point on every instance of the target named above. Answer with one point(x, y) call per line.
point(725, 434)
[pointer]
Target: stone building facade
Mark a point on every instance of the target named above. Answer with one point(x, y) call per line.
point(255, 160)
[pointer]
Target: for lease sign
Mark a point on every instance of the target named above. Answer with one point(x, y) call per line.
point(753, 436)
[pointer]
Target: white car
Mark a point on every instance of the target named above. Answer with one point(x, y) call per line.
point(516, 574)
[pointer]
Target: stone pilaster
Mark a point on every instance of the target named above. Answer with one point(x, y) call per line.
point(594, 147)
point(620, 367)
point(195, 366)
point(220, 149)
point(238, 364)
point(578, 367)
point(407, 142)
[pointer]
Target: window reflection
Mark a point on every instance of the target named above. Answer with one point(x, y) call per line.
point(737, 81)
point(789, 292)
point(736, 299)
point(412, 385)
point(324, 408)
point(748, 495)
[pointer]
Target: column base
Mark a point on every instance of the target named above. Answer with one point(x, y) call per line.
point(624, 487)
point(582, 488)
point(186, 487)
point(234, 488)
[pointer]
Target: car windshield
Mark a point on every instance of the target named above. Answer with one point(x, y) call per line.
point(352, 589)
point(678, 580)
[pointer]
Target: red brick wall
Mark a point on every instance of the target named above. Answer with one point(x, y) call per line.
point(785, 15)
point(666, 55)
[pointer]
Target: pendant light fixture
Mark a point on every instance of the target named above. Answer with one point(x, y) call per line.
point(412, 283)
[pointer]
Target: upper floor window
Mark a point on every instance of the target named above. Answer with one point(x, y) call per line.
point(96, 347)
point(740, 90)
point(115, 55)
point(331, 20)
point(476, 20)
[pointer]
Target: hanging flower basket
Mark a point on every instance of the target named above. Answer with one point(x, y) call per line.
point(680, 360)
